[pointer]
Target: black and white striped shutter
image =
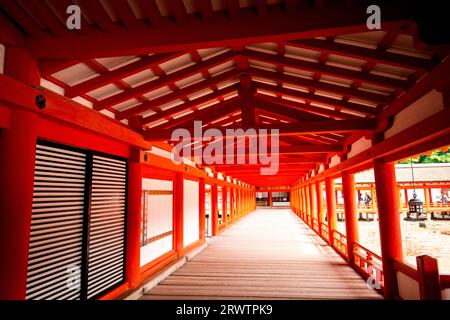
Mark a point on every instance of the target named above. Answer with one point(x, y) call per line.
point(77, 238)
point(106, 255)
point(56, 239)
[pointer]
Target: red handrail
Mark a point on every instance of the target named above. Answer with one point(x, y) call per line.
point(324, 230)
point(340, 242)
point(368, 263)
point(406, 269)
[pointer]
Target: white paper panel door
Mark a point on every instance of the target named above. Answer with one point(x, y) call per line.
point(191, 212)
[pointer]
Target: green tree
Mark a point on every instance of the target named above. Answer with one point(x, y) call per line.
point(437, 156)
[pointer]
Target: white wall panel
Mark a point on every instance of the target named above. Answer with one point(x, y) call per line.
point(155, 249)
point(159, 219)
point(191, 212)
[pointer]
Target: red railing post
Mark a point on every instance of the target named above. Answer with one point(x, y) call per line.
point(389, 223)
point(428, 271)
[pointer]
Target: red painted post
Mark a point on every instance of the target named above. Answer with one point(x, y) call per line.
point(429, 284)
point(308, 206)
point(331, 208)
point(201, 207)
point(18, 150)
point(179, 213)
point(134, 223)
point(270, 199)
point(224, 206)
point(232, 215)
point(319, 205)
point(389, 223)
point(214, 210)
point(351, 220)
point(304, 205)
point(312, 203)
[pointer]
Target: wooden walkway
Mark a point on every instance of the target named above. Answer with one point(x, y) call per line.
point(270, 254)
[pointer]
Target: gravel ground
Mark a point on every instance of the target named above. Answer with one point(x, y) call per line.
point(433, 240)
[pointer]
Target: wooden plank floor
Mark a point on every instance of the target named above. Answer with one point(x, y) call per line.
point(270, 254)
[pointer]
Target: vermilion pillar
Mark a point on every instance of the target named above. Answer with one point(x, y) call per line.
point(214, 210)
point(308, 205)
point(331, 208)
point(232, 215)
point(351, 220)
point(389, 223)
point(304, 204)
point(270, 199)
point(319, 202)
point(312, 201)
point(18, 152)
point(179, 213)
point(134, 223)
point(202, 214)
point(224, 206)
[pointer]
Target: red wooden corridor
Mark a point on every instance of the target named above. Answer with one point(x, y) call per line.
point(270, 254)
point(92, 203)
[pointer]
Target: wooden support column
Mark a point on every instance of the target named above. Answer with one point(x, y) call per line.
point(319, 202)
point(312, 205)
point(399, 198)
point(232, 215)
point(270, 199)
point(351, 220)
point(305, 205)
point(134, 223)
point(389, 223)
point(372, 195)
point(331, 208)
point(224, 206)
point(179, 213)
point(202, 214)
point(18, 152)
point(214, 210)
point(427, 197)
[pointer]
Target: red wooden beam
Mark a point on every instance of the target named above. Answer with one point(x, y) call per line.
point(164, 81)
point(303, 107)
point(95, 11)
point(233, 8)
point(326, 69)
point(9, 34)
point(188, 105)
point(45, 16)
point(334, 19)
point(154, 104)
point(207, 115)
point(310, 98)
point(178, 9)
point(317, 85)
point(119, 74)
point(377, 56)
point(279, 160)
point(285, 129)
point(150, 10)
point(22, 18)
